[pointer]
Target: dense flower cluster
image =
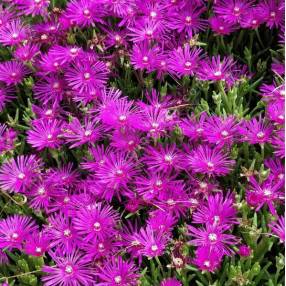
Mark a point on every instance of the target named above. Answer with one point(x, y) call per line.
point(116, 180)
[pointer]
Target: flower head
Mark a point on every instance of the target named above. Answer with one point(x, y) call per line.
point(12, 72)
point(278, 228)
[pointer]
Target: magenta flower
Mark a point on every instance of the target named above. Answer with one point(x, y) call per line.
point(13, 33)
point(96, 222)
point(213, 238)
point(161, 221)
point(278, 228)
point(164, 158)
point(188, 19)
point(118, 272)
point(48, 64)
point(27, 52)
point(184, 61)
point(144, 57)
point(17, 175)
point(272, 12)
point(84, 13)
point(277, 169)
point(217, 69)
point(7, 138)
point(61, 233)
point(273, 92)
point(256, 131)
point(232, 11)
point(221, 27)
point(244, 250)
point(33, 7)
point(45, 134)
point(6, 95)
point(217, 211)
point(14, 230)
point(125, 141)
point(170, 282)
point(278, 142)
point(275, 111)
point(78, 134)
point(252, 19)
point(117, 171)
point(152, 243)
point(212, 162)
point(221, 131)
point(155, 122)
point(65, 54)
point(49, 89)
point(69, 270)
point(207, 259)
point(12, 72)
point(119, 114)
point(193, 127)
point(37, 244)
point(87, 76)
point(266, 193)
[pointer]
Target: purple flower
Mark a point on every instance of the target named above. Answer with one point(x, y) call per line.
point(217, 211)
point(61, 233)
point(256, 131)
point(27, 52)
point(65, 54)
point(164, 158)
point(125, 141)
point(95, 222)
point(266, 193)
point(152, 243)
point(273, 92)
point(244, 250)
point(85, 76)
point(14, 230)
point(232, 11)
point(212, 162)
point(184, 61)
point(49, 89)
point(193, 127)
point(277, 169)
point(272, 12)
point(33, 7)
point(17, 175)
point(37, 244)
point(220, 131)
point(221, 27)
point(217, 69)
point(213, 238)
point(45, 133)
point(207, 259)
point(278, 143)
point(187, 20)
point(144, 57)
point(78, 134)
point(12, 72)
point(118, 169)
point(6, 95)
point(13, 33)
point(118, 272)
point(161, 221)
point(7, 138)
point(170, 282)
point(252, 19)
point(278, 228)
point(275, 111)
point(84, 12)
point(69, 270)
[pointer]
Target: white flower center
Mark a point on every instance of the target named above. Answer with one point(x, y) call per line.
point(168, 158)
point(188, 19)
point(207, 263)
point(122, 118)
point(67, 232)
point(221, 28)
point(188, 65)
point(86, 75)
point(260, 135)
point(68, 269)
point(273, 14)
point(254, 22)
point(97, 226)
point(117, 279)
point(49, 112)
point(210, 165)
point(154, 247)
point(15, 35)
point(73, 51)
point(212, 237)
point(153, 14)
point(38, 250)
point(87, 133)
point(101, 247)
point(49, 136)
point(217, 73)
point(13, 74)
point(21, 176)
point(170, 202)
point(145, 59)
point(56, 85)
point(224, 133)
point(86, 12)
point(41, 191)
point(267, 192)
point(15, 235)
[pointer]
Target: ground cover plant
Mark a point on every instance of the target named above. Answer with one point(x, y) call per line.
point(142, 142)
